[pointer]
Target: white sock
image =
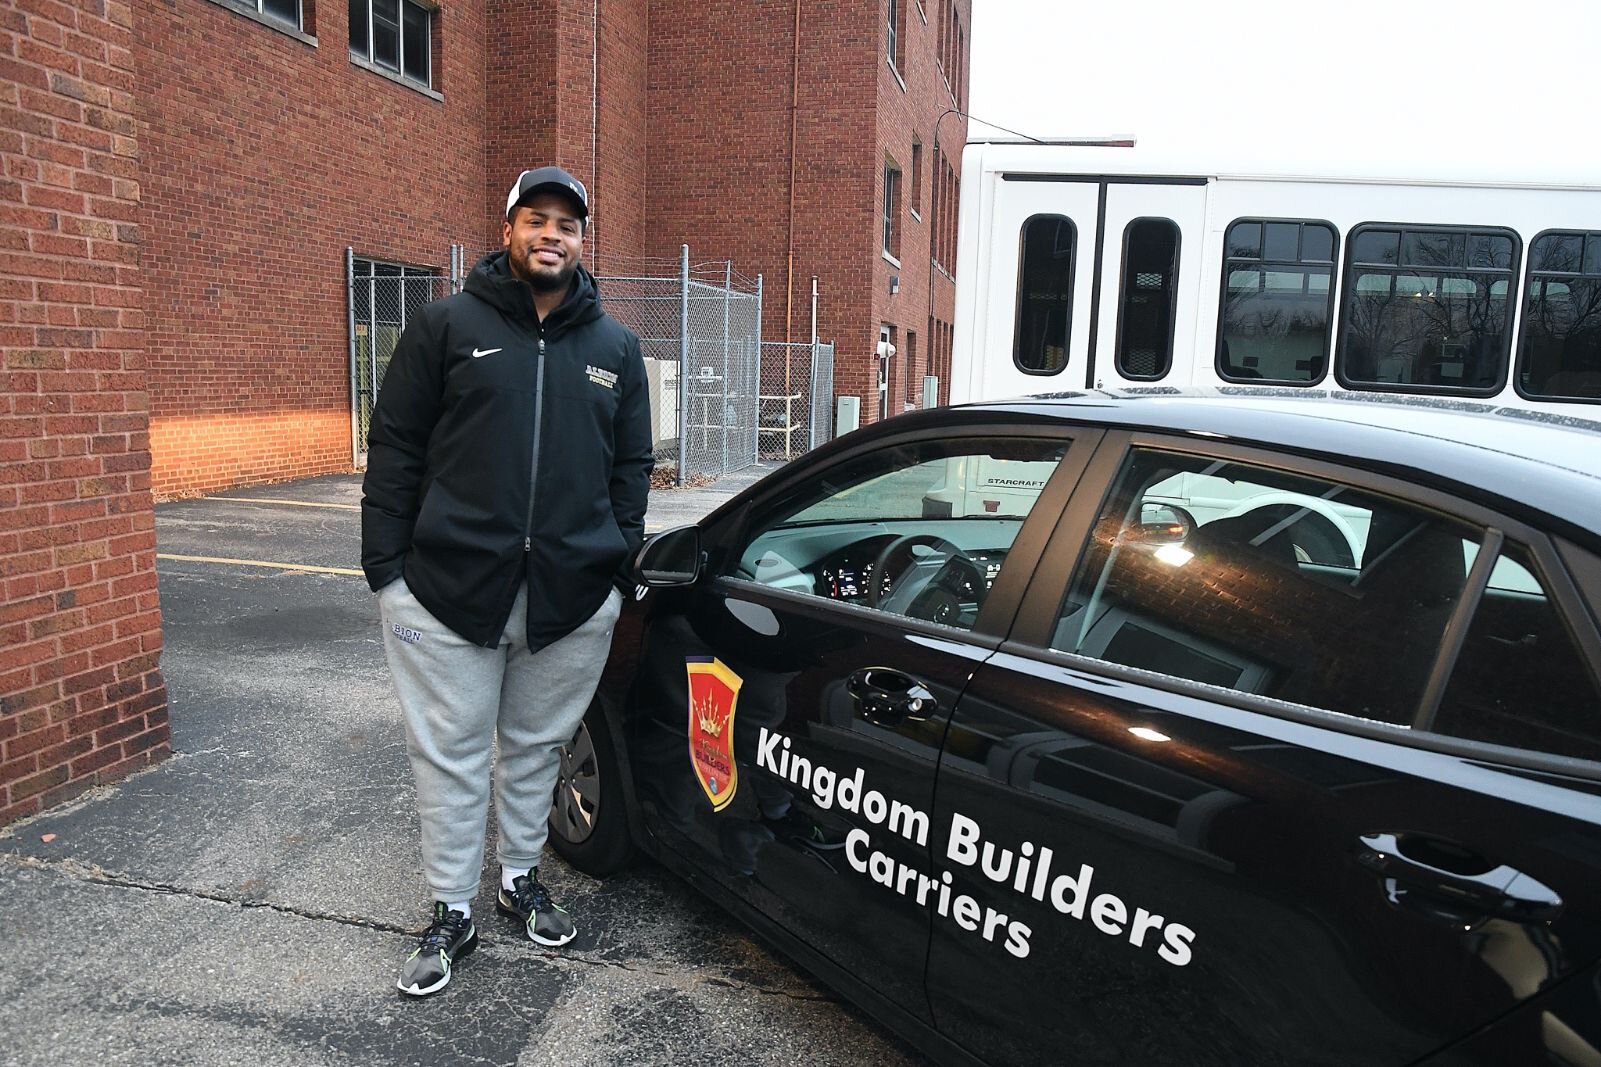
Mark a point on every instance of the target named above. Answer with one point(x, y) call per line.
point(463, 906)
point(509, 875)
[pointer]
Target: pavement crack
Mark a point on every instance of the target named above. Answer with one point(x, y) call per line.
point(668, 972)
point(92, 872)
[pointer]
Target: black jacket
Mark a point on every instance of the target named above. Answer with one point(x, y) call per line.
point(505, 450)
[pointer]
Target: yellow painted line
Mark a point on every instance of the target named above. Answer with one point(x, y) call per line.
point(274, 500)
point(262, 563)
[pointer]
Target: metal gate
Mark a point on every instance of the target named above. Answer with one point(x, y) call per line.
point(382, 298)
point(797, 397)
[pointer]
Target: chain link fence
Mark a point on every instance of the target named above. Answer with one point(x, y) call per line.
point(797, 398)
point(700, 334)
point(383, 298)
point(720, 399)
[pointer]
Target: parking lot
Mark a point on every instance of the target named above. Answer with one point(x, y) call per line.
point(250, 899)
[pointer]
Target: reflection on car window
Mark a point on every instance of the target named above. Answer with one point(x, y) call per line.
point(1520, 680)
point(1267, 583)
point(920, 530)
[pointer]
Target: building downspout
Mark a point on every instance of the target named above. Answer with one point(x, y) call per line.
point(794, 112)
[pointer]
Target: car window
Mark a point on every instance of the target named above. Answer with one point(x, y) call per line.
point(1265, 582)
point(1520, 679)
point(920, 530)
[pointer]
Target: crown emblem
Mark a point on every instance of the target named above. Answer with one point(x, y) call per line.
point(707, 718)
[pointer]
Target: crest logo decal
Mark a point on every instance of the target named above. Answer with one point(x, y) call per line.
point(713, 692)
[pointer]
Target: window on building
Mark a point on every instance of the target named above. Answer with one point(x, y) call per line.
point(1278, 301)
point(1560, 354)
point(959, 90)
point(394, 35)
point(1427, 309)
point(897, 34)
point(1146, 307)
point(1044, 294)
point(914, 373)
point(287, 12)
point(950, 222)
point(892, 210)
point(917, 178)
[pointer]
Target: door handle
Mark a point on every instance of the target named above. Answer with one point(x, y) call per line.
point(888, 697)
point(1418, 863)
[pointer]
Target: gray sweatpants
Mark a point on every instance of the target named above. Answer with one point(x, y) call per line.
point(459, 698)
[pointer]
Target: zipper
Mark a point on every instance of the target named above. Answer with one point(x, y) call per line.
point(533, 464)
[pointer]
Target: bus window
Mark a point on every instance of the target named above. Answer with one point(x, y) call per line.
point(1044, 294)
point(1560, 354)
point(1149, 297)
point(1278, 301)
point(1427, 308)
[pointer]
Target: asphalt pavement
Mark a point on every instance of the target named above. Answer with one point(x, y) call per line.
point(249, 900)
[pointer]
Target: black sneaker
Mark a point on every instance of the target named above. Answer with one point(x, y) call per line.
point(529, 902)
point(448, 938)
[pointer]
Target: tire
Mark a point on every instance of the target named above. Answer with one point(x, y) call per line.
point(588, 813)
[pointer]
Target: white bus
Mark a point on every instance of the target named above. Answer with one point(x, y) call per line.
point(1101, 266)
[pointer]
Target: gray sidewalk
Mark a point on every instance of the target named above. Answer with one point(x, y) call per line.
point(679, 507)
point(248, 901)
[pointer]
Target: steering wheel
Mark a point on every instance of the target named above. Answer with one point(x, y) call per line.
point(922, 585)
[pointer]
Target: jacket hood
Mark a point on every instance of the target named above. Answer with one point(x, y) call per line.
point(493, 282)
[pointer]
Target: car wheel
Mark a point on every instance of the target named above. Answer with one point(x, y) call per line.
point(588, 815)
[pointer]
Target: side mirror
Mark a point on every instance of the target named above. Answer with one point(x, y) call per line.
point(1160, 524)
point(671, 557)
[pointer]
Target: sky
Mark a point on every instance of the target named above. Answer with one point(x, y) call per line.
point(1459, 80)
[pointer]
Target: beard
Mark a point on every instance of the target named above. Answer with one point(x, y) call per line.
point(540, 278)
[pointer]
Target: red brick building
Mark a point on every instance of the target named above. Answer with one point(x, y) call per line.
point(182, 179)
point(81, 698)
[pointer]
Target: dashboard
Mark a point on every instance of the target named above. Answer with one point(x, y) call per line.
point(847, 574)
point(836, 561)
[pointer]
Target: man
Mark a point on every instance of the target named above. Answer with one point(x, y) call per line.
point(507, 471)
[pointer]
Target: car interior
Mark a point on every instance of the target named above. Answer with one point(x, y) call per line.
point(920, 531)
point(1236, 602)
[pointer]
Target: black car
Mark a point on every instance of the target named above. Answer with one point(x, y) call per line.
point(1140, 729)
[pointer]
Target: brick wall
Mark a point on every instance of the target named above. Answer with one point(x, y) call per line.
point(566, 85)
point(719, 174)
point(81, 698)
point(264, 157)
point(618, 232)
point(522, 64)
point(912, 95)
point(719, 177)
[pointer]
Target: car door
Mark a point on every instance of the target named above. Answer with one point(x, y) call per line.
point(790, 705)
point(1283, 763)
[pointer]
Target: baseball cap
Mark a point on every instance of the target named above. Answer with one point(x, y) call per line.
point(548, 179)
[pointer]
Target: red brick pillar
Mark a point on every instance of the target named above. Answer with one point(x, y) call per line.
point(81, 698)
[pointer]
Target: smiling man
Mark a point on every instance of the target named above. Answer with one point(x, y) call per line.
point(507, 470)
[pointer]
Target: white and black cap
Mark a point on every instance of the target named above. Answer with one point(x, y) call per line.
point(548, 180)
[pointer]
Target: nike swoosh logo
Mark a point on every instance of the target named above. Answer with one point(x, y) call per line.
point(480, 353)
